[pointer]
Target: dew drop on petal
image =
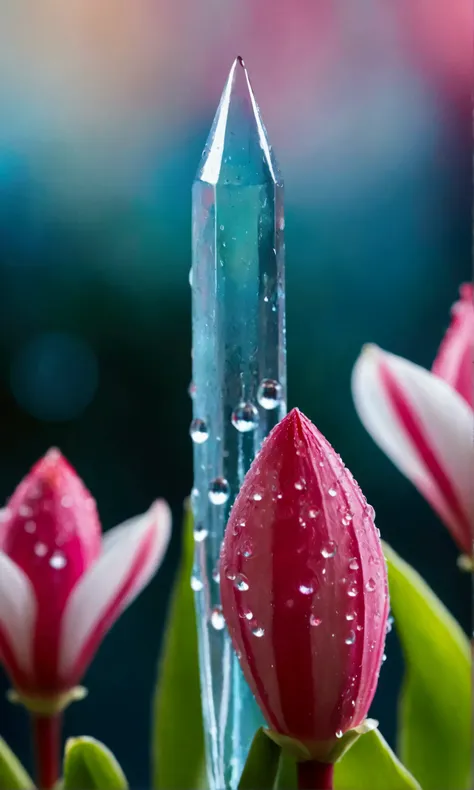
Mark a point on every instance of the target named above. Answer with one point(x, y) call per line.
point(352, 591)
point(350, 638)
point(258, 631)
point(313, 513)
point(241, 583)
point(40, 549)
point(350, 616)
point(198, 431)
point(247, 614)
point(315, 621)
point(332, 492)
point(30, 527)
point(370, 585)
point(219, 491)
point(26, 511)
point(300, 485)
point(196, 584)
point(217, 618)
point(5, 514)
point(257, 496)
point(354, 565)
point(329, 549)
point(58, 560)
point(305, 589)
point(339, 734)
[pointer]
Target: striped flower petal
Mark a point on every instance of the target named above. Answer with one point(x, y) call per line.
point(17, 616)
point(426, 428)
point(132, 553)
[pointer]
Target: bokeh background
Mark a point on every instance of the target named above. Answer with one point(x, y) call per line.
point(105, 107)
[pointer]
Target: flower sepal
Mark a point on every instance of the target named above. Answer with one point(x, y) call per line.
point(47, 706)
point(329, 751)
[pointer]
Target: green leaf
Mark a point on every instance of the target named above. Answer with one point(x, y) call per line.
point(435, 701)
point(12, 774)
point(89, 764)
point(178, 751)
point(261, 766)
point(370, 763)
point(287, 778)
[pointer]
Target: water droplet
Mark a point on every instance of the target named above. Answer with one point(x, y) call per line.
point(313, 513)
point(339, 734)
point(332, 492)
point(359, 627)
point(5, 514)
point(67, 501)
point(329, 549)
point(245, 417)
point(241, 583)
point(377, 531)
point(217, 618)
point(300, 485)
point(195, 496)
point(200, 533)
point(370, 512)
point(58, 560)
point(198, 431)
point(247, 614)
point(353, 564)
point(350, 638)
point(25, 511)
point(190, 277)
point(313, 620)
point(247, 549)
point(257, 631)
point(384, 657)
point(389, 625)
point(221, 227)
point(350, 616)
point(229, 574)
point(305, 589)
point(269, 394)
point(370, 585)
point(352, 591)
point(219, 491)
point(40, 549)
point(192, 389)
point(257, 496)
point(30, 527)
point(216, 575)
point(196, 584)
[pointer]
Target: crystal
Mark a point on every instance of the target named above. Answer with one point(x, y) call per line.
point(238, 343)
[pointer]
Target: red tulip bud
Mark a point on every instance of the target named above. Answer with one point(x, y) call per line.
point(304, 587)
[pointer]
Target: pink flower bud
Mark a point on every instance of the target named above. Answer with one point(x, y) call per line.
point(61, 585)
point(304, 586)
point(455, 359)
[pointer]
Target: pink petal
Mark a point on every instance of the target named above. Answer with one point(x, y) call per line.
point(132, 553)
point(425, 427)
point(455, 359)
point(17, 617)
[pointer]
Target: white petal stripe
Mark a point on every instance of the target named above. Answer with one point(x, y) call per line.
point(101, 585)
point(17, 612)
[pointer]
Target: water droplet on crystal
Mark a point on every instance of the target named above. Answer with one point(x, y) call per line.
point(67, 501)
point(352, 591)
point(269, 394)
point(370, 585)
point(25, 511)
point(198, 431)
point(217, 618)
point(194, 499)
point(200, 533)
point(40, 549)
point(332, 492)
point(58, 560)
point(241, 583)
point(329, 549)
point(30, 527)
point(339, 734)
point(313, 620)
point(219, 491)
point(313, 513)
point(190, 277)
point(245, 417)
point(350, 616)
point(257, 631)
point(192, 390)
point(350, 638)
point(196, 584)
point(353, 564)
point(306, 590)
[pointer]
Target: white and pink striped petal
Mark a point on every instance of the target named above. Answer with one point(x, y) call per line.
point(17, 618)
point(132, 552)
point(426, 428)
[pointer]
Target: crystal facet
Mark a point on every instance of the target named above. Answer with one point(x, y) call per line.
point(239, 376)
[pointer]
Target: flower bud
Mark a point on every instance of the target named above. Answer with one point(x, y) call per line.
point(304, 588)
point(455, 359)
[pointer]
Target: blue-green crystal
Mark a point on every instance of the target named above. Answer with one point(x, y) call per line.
point(239, 380)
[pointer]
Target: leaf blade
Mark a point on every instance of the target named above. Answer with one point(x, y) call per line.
point(178, 726)
point(89, 764)
point(434, 705)
point(12, 774)
point(370, 763)
point(261, 767)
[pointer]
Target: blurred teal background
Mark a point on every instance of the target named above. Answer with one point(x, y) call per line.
point(105, 108)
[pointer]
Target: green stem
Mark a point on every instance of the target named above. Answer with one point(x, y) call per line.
point(47, 749)
point(313, 775)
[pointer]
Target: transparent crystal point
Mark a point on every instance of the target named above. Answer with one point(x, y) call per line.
point(239, 379)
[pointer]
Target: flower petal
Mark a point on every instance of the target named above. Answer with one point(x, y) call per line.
point(425, 427)
point(17, 617)
point(455, 359)
point(132, 553)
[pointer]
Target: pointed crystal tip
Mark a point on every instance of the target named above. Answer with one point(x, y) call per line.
point(237, 151)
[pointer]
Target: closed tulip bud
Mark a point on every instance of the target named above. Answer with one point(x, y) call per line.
point(304, 590)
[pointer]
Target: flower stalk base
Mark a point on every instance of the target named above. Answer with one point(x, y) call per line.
point(313, 775)
point(47, 749)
